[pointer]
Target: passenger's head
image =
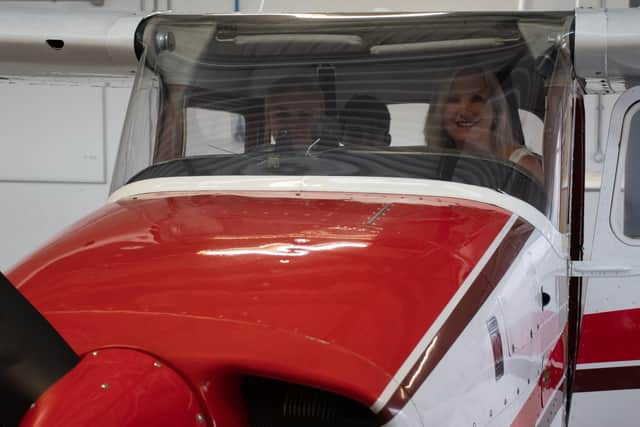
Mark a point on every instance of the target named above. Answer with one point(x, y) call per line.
point(471, 115)
point(294, 107)
point(365, 120)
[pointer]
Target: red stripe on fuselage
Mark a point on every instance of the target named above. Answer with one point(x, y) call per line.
point(530, 411)
point(549, 381)
point(610, 336)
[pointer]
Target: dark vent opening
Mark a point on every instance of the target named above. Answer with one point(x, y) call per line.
point(55, 43)
point(274, 403)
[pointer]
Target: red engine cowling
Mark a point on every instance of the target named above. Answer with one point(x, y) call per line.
point(118, 387)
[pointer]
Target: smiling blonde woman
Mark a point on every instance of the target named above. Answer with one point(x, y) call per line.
point(471, 115)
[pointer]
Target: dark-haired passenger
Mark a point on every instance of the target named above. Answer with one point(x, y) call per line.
point(365, 121)
point(294, 109)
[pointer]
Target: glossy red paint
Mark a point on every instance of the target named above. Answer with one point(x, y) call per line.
point(550, 380)
point(117, 387)
point(554, 369)
point(332, 293)
point(610, 336)
point(530, 411)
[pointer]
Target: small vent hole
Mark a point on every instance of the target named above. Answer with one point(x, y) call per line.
point(56, 44)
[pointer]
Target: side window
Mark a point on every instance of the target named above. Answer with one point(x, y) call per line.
point(532, 128)
point(214, 132)
point(626, 201)
point(407, 123)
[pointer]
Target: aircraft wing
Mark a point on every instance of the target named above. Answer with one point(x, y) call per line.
point(38, 41)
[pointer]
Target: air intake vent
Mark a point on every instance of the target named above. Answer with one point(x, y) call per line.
point(278, 404)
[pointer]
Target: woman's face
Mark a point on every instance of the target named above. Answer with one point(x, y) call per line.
point(468, 114)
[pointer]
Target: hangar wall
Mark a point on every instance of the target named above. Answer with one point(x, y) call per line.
point(64, 135)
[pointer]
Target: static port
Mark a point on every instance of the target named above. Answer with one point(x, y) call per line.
point(56, 44)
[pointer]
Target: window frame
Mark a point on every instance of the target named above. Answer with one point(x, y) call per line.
point(616, 217)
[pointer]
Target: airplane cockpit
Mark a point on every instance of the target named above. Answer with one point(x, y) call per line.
point(431, 96)
point(376, 219)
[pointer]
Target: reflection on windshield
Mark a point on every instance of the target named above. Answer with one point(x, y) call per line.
point(426, 96)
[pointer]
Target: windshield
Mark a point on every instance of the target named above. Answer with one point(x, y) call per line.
point(458, 97)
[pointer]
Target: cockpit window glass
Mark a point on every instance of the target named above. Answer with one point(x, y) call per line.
point(213, 132)
point(443, 96)
point(625, 214)
point(407, 123)
point(532, 129)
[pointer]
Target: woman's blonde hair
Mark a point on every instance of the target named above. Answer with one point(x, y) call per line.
point(501, 129)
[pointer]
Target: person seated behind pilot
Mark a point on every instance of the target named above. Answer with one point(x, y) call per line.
point(294, 111)
point(471, 115)
point(365, 121)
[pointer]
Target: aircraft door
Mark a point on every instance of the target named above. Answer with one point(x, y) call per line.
point(607, 380)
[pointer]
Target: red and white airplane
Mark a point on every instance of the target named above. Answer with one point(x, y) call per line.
point(297, 235)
